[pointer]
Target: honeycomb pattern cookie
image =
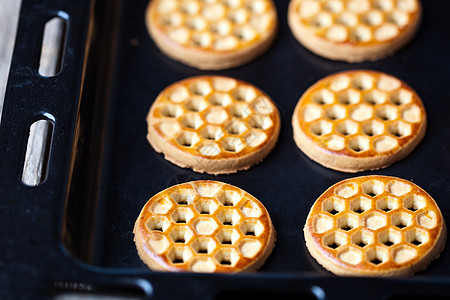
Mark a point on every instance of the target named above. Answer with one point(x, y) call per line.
point(375, 226)
point(213, 124)
point(358, 120)
point(212, 34)
point(204, 226)
point(354, 30)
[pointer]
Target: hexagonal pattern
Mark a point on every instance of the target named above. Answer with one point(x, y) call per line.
point(372, 223)
point(211, 118)
point(359, 23)
point(357, 114)
point(204, 226)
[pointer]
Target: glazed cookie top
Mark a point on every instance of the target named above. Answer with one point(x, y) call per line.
point(205, 226)
point(372, 225)
point(214, 26)
point(357, 22)
point(360, 113)
point(214, 117)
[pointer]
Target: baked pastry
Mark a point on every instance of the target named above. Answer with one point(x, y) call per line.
point(213, 124)
point(358, 120)
point(354, 30)
point(212, 35)
point(375, 226)
point(204, 226)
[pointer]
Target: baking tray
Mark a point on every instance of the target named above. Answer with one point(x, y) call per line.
point(72, 235)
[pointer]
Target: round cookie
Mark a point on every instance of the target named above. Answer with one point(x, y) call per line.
point(354, 30)
point(212, 35)
point(358, 120)
point(204, 226)
point(375, 226)
point(213, 124)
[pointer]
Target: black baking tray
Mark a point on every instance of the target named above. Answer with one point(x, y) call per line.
point(73, 233)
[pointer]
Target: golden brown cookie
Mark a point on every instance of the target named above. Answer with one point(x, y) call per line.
point(358, 120)
point(375, 226)
point(204, 226)
point(213, 34)
point(354, 30)
point(213, 124)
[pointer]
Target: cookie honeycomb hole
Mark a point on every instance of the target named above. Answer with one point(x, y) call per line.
point(187, 139)
point(359, 144)
point(333, 206)
point(339, 83)
point(212, 132)
point(263, 106)
point(372, 128)
point(360, 205)
point(227, 257)
point(228, 236)
point(183, 196)
point(255, 138)
point(321, 128)
point(361, 112)
point(203, 245)
point(386, 113)
point(347, 127)
point(231, 3)
point(362, 239)
point(412, 114)
point(398, 18)
point(374, 220)
point(238, 16)
point(182, 215)
point(197, 23)
point(250, 247)
point(350, 255)
point(401, 97)
point(387, 204)
point(161, 206)
point(372, 18)
point(229, 198)
point(181, 234)
point(348, 222)
point(404, 254)
point(311, 113)
point(191, 121)
point(157, 223)
point(200, 88)
point(408, 6)
point(414, 202)
point(215, 115)
point(178, 94)
point(322, 223)
point(179, 255)
point(244, 93)
point(427, 219)
point(401, 220)
point(346, 191)
point(334, 142)
point(233, 144)
point(235, 127)
point(385, 143)
point(400, 129)
point(260, 122)
point(223, 84)
point(374, 97)
point(172, 20)
point(220, 99)
point(239, 110)
point(209, 149)
point(360, 34)
point(347, 19)
point(245, 34)
point(398, 188)
point(205, 225)
point(383, 5)
point(196, 104)
point(171, 111)
point(334, 240)
point(390, 237)
point(335, 112)
point(250, 209)
point(229, 217)
point(252, 228)
point(363, 82)
point(202, 40)
point(417, 237)
point(323, 97)
point(190, 8)
point(348, 97)
point(333, 6)
point(321, 20)
point(376, 256)
point(206, 206)
point(373, 188)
